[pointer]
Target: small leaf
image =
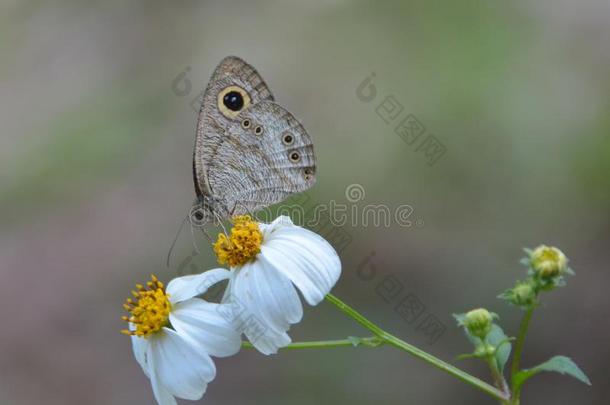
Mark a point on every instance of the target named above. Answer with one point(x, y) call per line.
point(356, 341)
point(460, 318)
point(558, 364)
point(467, 356)
point(498, 338)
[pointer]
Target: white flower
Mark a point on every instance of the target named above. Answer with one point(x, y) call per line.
point(173, 334)
point(268, 261)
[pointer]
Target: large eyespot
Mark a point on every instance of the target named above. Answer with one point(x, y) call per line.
point(232, 100)
point(287, 139)
point(294, 157)
point(245, 124)
point(258, 130)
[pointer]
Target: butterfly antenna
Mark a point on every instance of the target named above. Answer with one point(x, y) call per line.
point(195, 247)
point(171, 249)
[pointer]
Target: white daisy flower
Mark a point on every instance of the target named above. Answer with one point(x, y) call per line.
point(268, 261)
point(173, 334)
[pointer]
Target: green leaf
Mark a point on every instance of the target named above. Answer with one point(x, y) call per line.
point(558, 364)
point(467, 356)
point(460, 318)
point(497, 337)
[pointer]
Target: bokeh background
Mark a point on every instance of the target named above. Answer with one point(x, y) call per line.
point(97, 130)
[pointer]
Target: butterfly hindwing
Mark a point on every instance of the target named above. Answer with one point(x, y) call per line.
point(266, 156)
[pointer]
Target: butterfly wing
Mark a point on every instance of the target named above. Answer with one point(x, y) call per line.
point(231, 75)
point(265, 156)
point(249, 151)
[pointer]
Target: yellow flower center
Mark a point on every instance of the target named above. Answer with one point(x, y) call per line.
point(149, 309)
point(243, 243)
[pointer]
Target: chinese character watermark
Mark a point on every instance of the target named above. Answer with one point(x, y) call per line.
point(404, 303)
point(406, 126)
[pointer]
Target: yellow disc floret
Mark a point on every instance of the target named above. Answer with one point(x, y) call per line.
point(243, 243)
point(149, 309)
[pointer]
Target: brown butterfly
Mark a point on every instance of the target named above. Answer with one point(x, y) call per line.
point(250, 152)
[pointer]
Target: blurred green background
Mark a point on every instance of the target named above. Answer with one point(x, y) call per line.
point(96, 177)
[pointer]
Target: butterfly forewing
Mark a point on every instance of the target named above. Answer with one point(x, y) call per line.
point(230, 72)
point(250, 152)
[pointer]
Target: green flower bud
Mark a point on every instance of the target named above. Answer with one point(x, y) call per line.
point(478, 322)
point(548, 262)
point(523, 294)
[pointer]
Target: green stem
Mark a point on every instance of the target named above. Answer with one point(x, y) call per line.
point(372, 341)
point(414, 351)
point(499, 380)
point(516, 365)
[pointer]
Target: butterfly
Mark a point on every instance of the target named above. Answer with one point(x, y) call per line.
point(250, 152)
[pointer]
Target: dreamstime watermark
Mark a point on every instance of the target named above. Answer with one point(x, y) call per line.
point(353, 213)
point(328, 219)
point(408, 127)
point(404, 303)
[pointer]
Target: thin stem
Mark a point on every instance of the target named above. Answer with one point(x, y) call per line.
point(516, 365)
point(372, 341)
point(499, 380)
point(414, 351)
point(525, 323)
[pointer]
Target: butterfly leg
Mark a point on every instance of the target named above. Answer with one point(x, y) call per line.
point(207, 235)
point(219, 219)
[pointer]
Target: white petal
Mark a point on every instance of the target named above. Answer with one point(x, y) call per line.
point(140, 346)
point(208, 325)
point(278, 223)
point(265, 304)
point(268, 343)
point(306, 258)
point(184, 288)
point(265, 296)
point(277, 288)
point(178, 367)
point(162, 395)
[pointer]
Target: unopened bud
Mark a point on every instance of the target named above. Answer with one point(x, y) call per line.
point(478, 322)
point(548, 262)
point(523, 294)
